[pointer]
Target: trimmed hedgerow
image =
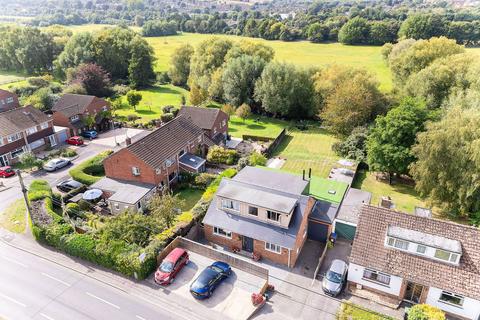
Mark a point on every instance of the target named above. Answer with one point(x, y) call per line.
point(90, 171)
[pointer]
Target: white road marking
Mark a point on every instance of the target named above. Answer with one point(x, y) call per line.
point(104, 301)
point(46, 317)
point(13, 300)
point(139, 317)
point(56, 279)
point(15, 261)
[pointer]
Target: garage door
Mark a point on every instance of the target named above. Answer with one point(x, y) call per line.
point(345, 231)
point(317, 231)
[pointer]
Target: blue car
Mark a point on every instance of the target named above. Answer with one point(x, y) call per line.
point(90, 134)
point(209, 279)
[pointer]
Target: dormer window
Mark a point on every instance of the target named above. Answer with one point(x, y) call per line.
point(230, 205)
point(446, 256)
point(272, 215)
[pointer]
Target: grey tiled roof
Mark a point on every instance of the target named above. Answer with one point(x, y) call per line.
point(72, 104)
point(324, 211)
point(165, 142)
point(123, 191)
point(369, 251)
point(202, 117)
point(19, 119)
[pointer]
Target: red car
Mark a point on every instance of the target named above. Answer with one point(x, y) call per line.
point(6, 172)
point(76, 141)
point(171, 266)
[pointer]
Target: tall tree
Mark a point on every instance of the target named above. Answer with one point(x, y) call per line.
point(180, 65)
point(140, 66)
point(424, 26)
point(93, 78)
point(355, 31)
point(79, 49)
point(448, 166)
point(390, 141)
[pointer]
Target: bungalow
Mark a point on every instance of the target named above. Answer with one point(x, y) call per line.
point(213, 121)
point(72, 111)
point(157, 158)
point(402, 257)
point(261, 212)
point(22, 130)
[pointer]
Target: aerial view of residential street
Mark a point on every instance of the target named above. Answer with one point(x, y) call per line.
point(240, 159)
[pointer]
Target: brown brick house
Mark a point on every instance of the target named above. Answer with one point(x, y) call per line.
point(8, 100)
point(213, 121)
point(24, 129)
point(72, 109)
point(261, 211)
point(405, 257)
point(158, 157)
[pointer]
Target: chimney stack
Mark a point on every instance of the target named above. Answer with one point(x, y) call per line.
point(128, 141)
point(309, 173)
point(303, 174)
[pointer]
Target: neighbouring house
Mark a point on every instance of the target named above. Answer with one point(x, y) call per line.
point(345, 224)
point(8, 100)
point(24, 129)
point(73, 111)
point(262, 212)
point(404, 257)
point(124, 195)
point(213, 121)
point(158, 157)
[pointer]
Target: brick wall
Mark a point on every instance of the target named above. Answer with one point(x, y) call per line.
point(59, 119)
point(218, 125)
point(302, 232)
point(4, 106)
point(282, 258)
point(236, 240)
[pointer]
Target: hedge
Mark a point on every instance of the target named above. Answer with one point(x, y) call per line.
point(217, 154)
point(90, 171)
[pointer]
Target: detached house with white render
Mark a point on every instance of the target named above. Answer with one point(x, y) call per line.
point(403, 257)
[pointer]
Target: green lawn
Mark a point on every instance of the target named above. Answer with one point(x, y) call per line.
point(308, 149)
point(351, 312)
point(403, 196)
point(13, 218)
point(7, 78)
point(153, 99)
point(256, 126)
point(190, 196)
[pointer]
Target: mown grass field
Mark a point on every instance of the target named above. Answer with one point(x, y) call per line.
point(256, 126)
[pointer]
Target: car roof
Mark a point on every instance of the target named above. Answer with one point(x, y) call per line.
point(73, 182)
point(174, 254)
point(76, 137)
point(338, 266)
point(5, 168)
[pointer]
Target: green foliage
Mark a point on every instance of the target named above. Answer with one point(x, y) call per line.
point(354, 146)
point(134, 98)
point(54, 234)
point(42, 99)
point(228, 109)
point(166, 117)
point(257, 159)
point(180, 65)
point(243, 112)
point(28, 159)
point(448, 164)
point(204, 179)
point(90, 171)
point(217, 154)
point(391, 139)
point(165, 208)
point(79, 49)
point(355, 31)
point(159, 28)
point(142, 61)
point(423, 26)
point(425, 312)
point(39, 189)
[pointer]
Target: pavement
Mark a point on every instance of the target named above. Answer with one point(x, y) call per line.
point(105, 141)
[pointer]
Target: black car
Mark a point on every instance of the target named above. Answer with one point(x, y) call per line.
point(69, 185)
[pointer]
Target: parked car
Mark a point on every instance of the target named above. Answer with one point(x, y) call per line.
point(171, 266)
point(204, 285)
point(75, 141)
point(90, 134)
point(56, 164)
point(6, 172)
point(335, 278)
point(69, 185)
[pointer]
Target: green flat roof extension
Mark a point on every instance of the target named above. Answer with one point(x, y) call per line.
point(328, 190)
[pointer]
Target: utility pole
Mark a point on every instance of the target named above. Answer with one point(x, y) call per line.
point(24, 191)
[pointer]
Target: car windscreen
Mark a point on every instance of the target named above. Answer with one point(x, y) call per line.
point(334, 277)
point(166, 266)
point(204, 278)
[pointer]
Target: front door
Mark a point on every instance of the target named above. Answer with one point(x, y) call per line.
point(3, 160)
point(247, 244)
point(413, 292)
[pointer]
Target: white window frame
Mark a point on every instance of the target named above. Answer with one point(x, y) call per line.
point(136, 171)
point(421, 249)
point(396, 243)
point(453, 295)
point(74, 118)
point(9, 100)
point(277, 214)
point(222, 232)
point(44, 125)
point(32, 130)
point(53, 140)
point(224, 123)
point(378, 274)
point(14, 137)
point(230, 205)
point(18, 153)
point(199, 138)
point(275, 248)
point(116, 206)
point(452, 256)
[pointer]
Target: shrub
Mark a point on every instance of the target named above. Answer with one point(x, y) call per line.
point(80, 245)
point(217, 154)
point(120, 90)
point(68, 153)
point(55, 232)
point(39, 189)
point(242, 163)
point(166, 109)
point(257, 159)
point(90, 171)
point(204, 179)
point(72, 209)
point(38, 82)
point(132, 117)
point(425, 312)
point(166, 117)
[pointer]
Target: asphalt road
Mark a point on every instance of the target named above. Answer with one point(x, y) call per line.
point(34, 288)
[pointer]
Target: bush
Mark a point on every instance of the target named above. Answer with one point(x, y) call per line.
point(120, 90)
point(72, 210)
point(39, 189)
point(257, 159)
point(38, 82)
point(204, 179)
point(80, 245)
point(90, 171)
point(166, 117)
point(68, 153)
point(242, 163)
point(425, 312)
point(217, 154)
point(55, 232)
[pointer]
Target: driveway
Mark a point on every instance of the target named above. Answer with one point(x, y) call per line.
point(112, 138)
point(232, 296)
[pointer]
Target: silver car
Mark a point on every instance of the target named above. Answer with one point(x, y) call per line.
point(56, 164)
point(335, 278)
